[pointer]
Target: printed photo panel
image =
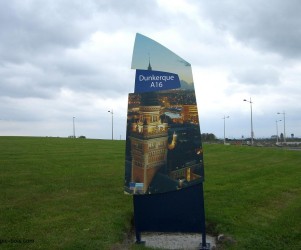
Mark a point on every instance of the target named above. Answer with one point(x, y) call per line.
point(163, 144)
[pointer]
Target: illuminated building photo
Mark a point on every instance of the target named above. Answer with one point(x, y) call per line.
point(163, 151)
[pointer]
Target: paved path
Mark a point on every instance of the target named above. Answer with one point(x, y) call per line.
point(175, 241)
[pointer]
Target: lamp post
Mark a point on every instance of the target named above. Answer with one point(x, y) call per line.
point(112, 113)
point(277, 129)
point(225, 128)
point(252, 132)
point(73, 127)
point(284, 136)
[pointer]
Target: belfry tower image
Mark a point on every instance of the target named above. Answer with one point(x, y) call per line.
point(148, 141)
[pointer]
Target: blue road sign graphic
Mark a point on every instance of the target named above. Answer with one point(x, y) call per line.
point(150, 80)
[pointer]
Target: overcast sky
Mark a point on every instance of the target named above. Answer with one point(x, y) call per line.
point(61, 59)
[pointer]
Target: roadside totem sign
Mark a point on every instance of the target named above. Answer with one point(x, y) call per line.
point(164, 168)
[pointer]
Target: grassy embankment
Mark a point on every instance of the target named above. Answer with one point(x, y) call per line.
point(68, 194)
point(62, 193)
point(254, 195)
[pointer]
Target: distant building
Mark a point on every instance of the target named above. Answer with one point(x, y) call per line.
point(190, 113)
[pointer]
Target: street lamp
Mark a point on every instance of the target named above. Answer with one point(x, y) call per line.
point(252, 132)
point(225, 128)
point(73, 127)
point(112, 113)
point(277, 129)
point(284, 136)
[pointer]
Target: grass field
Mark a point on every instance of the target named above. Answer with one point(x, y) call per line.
point(254, 195)
point(61, 193)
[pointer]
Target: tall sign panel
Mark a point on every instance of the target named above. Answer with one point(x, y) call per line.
point(164, 168)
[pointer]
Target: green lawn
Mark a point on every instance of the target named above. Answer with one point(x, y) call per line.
point(254, 195)
point(61, 193)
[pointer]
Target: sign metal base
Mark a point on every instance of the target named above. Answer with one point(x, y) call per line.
point(178, 211)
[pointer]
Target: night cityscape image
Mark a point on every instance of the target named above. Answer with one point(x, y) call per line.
point(163, 151)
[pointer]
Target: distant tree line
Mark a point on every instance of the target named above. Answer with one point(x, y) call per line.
point(208, 137)
point(80, 137)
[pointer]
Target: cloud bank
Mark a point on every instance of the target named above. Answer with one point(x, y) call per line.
point(65, 59)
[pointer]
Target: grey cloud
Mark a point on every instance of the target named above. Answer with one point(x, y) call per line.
point(256, 76)
point(24, 80)
point(38, 33)
point(34, 27)
point(41, 86)
point(51, 69)
point(14, 110)
point(268, 25)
